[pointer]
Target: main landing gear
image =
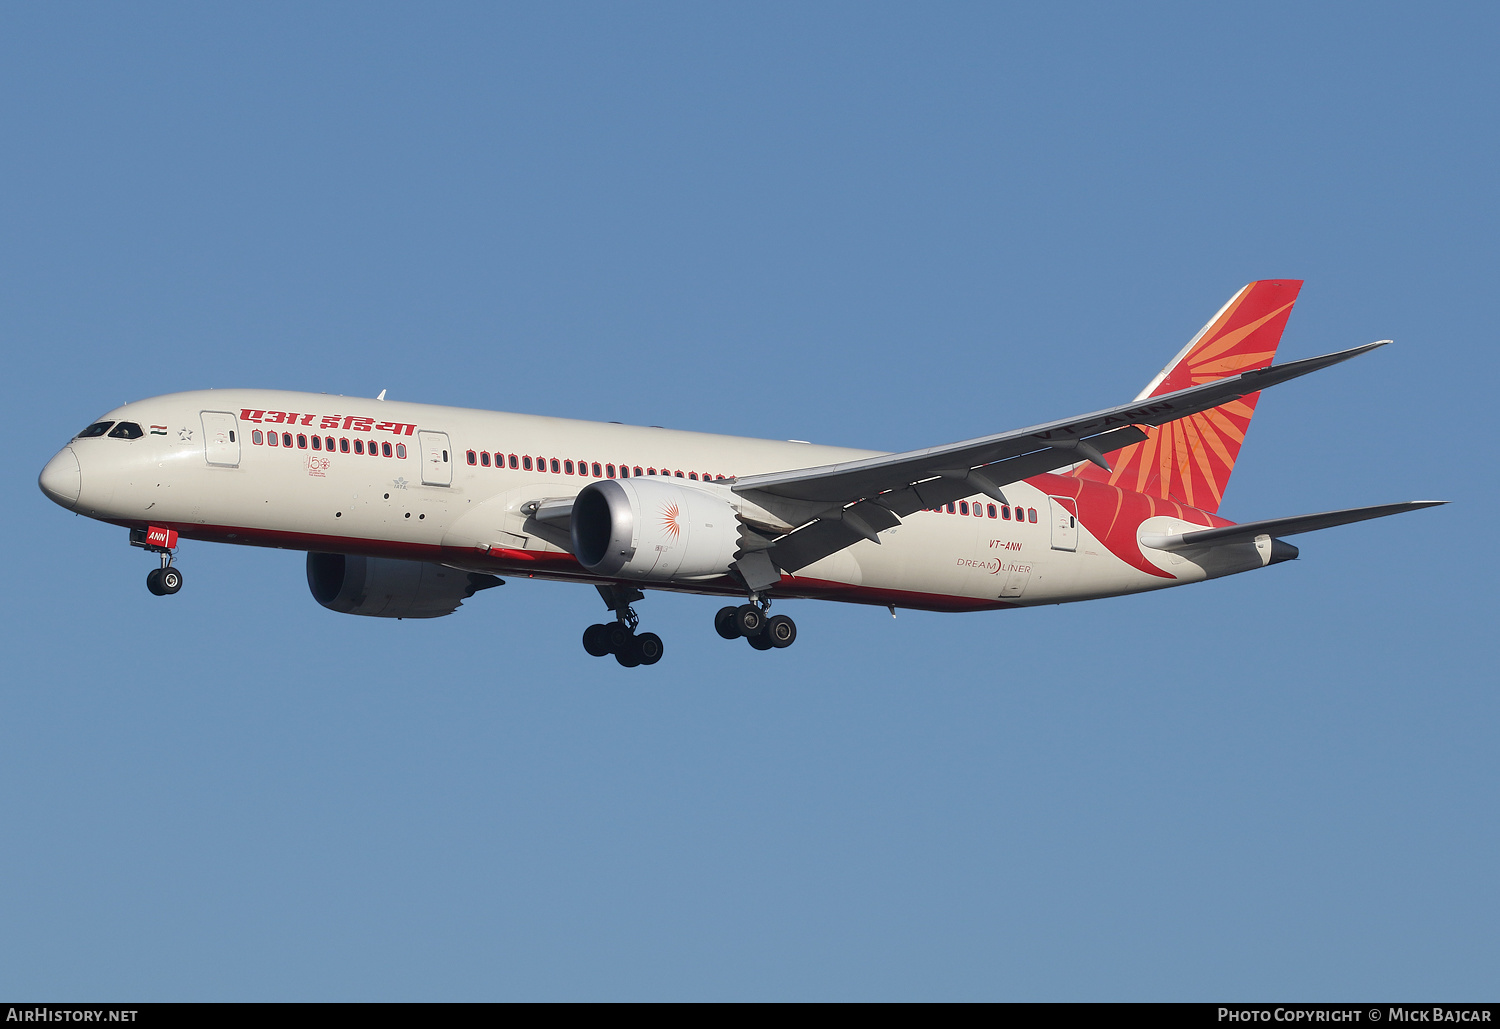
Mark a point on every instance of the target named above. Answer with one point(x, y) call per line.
point(167, 579)
point(619, 637)
point(761, 631)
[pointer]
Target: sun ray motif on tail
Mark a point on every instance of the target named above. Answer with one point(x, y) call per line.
point(1190, 460)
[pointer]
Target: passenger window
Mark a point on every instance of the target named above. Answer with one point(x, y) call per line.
point(484, 458)
point(991, 509)
point(472, 457)
point(678, 473)
point(286, 439)
point(624, 472)
point(126, 430)
point(343, 444)
point(385, 450)
point(597, 470)
point(97, 429)
point(301, 441)
point(317, 443)
point(359, 446)
point(637, 469)
point(693, 476)
point(567, 467)
point(649, 471)
point(512, 460)
point(272, 438)
point(1005, 512)
point(327, 443)
point(950, 508)
point(374, 449)
point(1031, 514)
point(963, 507)
point(526, 462)
point(401, 450)
point(556, 466)
point(609, 471)
point(256, 437)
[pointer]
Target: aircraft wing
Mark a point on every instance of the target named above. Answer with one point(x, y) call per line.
point(854, 500)
point(1248, 532)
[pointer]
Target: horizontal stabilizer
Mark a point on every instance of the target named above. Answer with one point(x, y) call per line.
point(1250, 531)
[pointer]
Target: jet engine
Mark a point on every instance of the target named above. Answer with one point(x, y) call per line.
point(387, 588)
point(653, 529)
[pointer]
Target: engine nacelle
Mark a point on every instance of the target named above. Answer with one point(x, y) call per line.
point(654, 529)
point(383, 587)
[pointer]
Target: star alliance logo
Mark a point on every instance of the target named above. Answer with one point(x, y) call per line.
point(185, 435)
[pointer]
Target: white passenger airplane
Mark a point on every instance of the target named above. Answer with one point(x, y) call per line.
point(406, 510)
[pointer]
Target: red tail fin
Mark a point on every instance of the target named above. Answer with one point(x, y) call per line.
point(1190, 460)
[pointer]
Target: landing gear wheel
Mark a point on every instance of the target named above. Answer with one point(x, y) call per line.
point(627, 657)
point(647, 649)
point(761, 641)
point(596, 640)
point(153, 583)
point(749, 620)
point(170, 579)
point(724, 623)
point(781, 631)
point(619, 637)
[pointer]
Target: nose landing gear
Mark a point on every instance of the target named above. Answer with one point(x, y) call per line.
point(164, 581)
point(619, 637)
point(751, 622)
point(167, 579)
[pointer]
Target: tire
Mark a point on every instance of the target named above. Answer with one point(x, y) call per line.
point(628, 658)
point(596, 640)
point(760, 642)
point(724, 623)
point(648, 648)
point(619, 637)
point(781, 631)
point(153, 583)
point(170, 579)
point(749, 620)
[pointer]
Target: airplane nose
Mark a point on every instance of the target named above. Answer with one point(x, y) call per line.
point(62, 480)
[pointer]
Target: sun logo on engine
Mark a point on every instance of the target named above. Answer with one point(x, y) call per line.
point(669, 517)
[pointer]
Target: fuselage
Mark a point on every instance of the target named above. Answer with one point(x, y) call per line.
point(331, 474)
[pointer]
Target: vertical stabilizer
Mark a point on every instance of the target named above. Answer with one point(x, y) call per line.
point(1190, 460)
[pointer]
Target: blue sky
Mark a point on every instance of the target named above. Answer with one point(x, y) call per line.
point(863, 224)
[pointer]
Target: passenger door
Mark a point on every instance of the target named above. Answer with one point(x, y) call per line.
point(437, 464)
point(221, 438)
point(1064, 523)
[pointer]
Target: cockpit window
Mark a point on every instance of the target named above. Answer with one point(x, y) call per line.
point(97, 429)
point(126, 430)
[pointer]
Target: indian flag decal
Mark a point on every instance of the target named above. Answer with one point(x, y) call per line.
point(158, 430)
